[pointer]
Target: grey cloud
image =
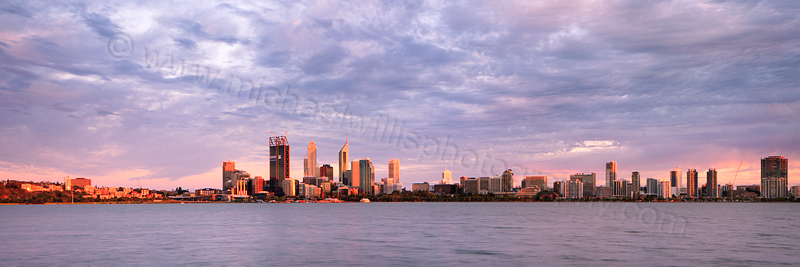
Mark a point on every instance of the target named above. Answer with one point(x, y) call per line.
point(11, 8)
point(663, 81)
point(186, 43)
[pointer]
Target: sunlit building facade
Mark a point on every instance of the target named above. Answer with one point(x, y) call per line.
point(343, 162)
point(664, 189)
point(611, 173)
point(310, 167)
point(574, 188)
point(447, 177)
point(394, 170)
point(228, 167)
point(366, 176)
point(691, 183)
point(712, 188)
point(588, 180)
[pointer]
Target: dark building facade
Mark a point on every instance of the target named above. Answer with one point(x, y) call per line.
point(278, 163)
point(326, 171)
point(774, 177)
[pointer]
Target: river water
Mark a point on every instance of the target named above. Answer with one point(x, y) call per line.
point(403, 234)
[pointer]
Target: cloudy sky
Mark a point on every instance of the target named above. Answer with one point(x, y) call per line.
point(162, 93)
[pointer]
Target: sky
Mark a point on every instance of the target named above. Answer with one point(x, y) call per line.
point(158, 94)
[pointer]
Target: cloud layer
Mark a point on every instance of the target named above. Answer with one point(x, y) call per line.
point(163, 92)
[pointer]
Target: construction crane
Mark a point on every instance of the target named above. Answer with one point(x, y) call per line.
point(734, 178)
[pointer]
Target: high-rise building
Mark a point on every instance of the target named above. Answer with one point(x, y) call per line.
point(256, 186)
point(712, 189)
point(652, 186)
point(508, 181)
point(310, 167)
point(290, 186)
point(343, 161)
point(348, 176)
point(366, 176)
point(496, 185)
point(774, 177)
point(559, 187)
point(636, 184)
point(447, 177)
point(394, 170)
point(675, 180)
point(278, 163)
point(228, 167)
point(535, 180)
point(691, 183)
point(355, 180)
point(664, 189)
point(574, 188)
point(326, 171)
point(588, 180)
point(484, 185)
point(620, 189)
point(611, 173)
point(470, 186)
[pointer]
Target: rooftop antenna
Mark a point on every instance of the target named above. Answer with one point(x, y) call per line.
point(270, 133)
point(284, 134)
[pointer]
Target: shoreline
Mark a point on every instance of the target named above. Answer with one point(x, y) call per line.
point(217, 202)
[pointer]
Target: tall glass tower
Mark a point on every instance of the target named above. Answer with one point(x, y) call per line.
point(278, 163)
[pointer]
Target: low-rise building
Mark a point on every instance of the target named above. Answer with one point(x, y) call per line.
point(421, 187)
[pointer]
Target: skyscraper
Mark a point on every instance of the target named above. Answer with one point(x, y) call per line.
point(228, 167)
point(366, 176)
point(774, 177)
point(691, 183)
point(711, 184)
point(278, 163)
point(394, 170)
point(611, 173)
point(675, 181)
point(588, 180)
point(447, 177)
point(311, 168)
point(636, 184)
point(508, 181)
point(343, 161)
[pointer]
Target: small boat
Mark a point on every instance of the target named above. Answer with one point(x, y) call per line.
point(364, 200)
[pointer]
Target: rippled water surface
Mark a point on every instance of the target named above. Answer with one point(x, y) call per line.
point(404, 234)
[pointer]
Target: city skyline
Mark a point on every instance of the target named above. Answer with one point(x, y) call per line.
point(126, 94)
